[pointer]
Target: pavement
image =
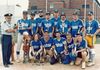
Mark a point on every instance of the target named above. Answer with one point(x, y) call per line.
point(47, 66)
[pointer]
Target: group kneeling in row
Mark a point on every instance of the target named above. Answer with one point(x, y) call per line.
point(66, 51)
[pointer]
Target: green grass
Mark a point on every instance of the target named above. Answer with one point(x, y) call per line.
point(98, 41)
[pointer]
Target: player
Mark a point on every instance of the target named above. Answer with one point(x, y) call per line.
point(48, 25)
point(39, 21)
point(76, 25)
point(23, 25)
point(47, 43)
point(63, 25)
point(33, 24)
point(55, 19)
point(70, 49)
point(60, 46)
point(81, 51)
point(36, 48)
point(91, 28)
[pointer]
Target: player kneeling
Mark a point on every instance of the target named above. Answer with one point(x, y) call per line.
point(36, 48)
point(70, 49)
point(59, 46)
point(47, 43)
point(81, 51)
point(26, 47)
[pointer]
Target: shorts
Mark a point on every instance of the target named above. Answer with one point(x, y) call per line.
point(90, 40)
point(79, 54)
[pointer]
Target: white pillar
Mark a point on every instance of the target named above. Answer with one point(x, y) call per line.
point(46, 5)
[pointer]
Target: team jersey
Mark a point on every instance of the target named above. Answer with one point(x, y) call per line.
point(59, 45)
point(34, 25)
point(36, 45)
point(39, 21)
point(55, 20)
point(91, 27)
point(47, 45)
point(76, 27)
point(81, 45)
point(47, 25)
point(70, 46)
point(23, 25)
point(63, 26)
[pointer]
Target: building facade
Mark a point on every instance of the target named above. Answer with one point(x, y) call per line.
point(68, 6)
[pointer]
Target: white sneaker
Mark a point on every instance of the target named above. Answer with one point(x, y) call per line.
point(90, 64)
point(18, 60)
point(71, 63)
point(83, 65)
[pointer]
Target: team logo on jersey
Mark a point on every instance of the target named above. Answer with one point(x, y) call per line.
point(59, 45)
point(33, 24)
point(55, 23)
point(74, 27)
point(48, 25)
point(36, 47)
point(47, 45)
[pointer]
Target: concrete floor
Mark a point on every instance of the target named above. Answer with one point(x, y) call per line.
point(47, 66)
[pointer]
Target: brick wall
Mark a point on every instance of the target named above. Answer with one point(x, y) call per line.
point(68, 6)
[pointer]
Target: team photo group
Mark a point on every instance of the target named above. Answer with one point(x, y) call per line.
point(53, 40)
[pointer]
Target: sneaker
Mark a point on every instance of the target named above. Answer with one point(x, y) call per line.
point(83, 65)
point(90, 64)
point(18, 60)
point(71, 63)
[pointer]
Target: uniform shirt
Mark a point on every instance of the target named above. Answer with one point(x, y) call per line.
point(81, 45)
point(5, 26)
point(91, 27)
point(36, 45)
point(59, 45)
point(23, 25)
point(63, 26)
point(34, 25)
point(55, 20)
point(47, 45)
point(39, 21)
point(70, 46)
point(75, 27)
point(47, 25)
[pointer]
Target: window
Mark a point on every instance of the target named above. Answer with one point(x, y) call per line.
point(51, 5)
point(87, 6)
point(34, 8)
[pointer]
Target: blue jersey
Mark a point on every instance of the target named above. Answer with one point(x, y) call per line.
point(76, 27)
point(63, 26)
point(56, 20)
point(59, 45)
point(39, 21)
point(23, 25)
point(34, 25)
point(47, 45)
point(47, 25)
point(81, 45)
point(70, 46)
point(36, 45)
point(91, 27)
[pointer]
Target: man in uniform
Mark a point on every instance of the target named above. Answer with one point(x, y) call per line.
point(48, 24)
point(91, 27)
point(63, 25)
point(55, 19)
point(39, 21)
point(6, 40)
point(23, 25)
point(76, 24)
